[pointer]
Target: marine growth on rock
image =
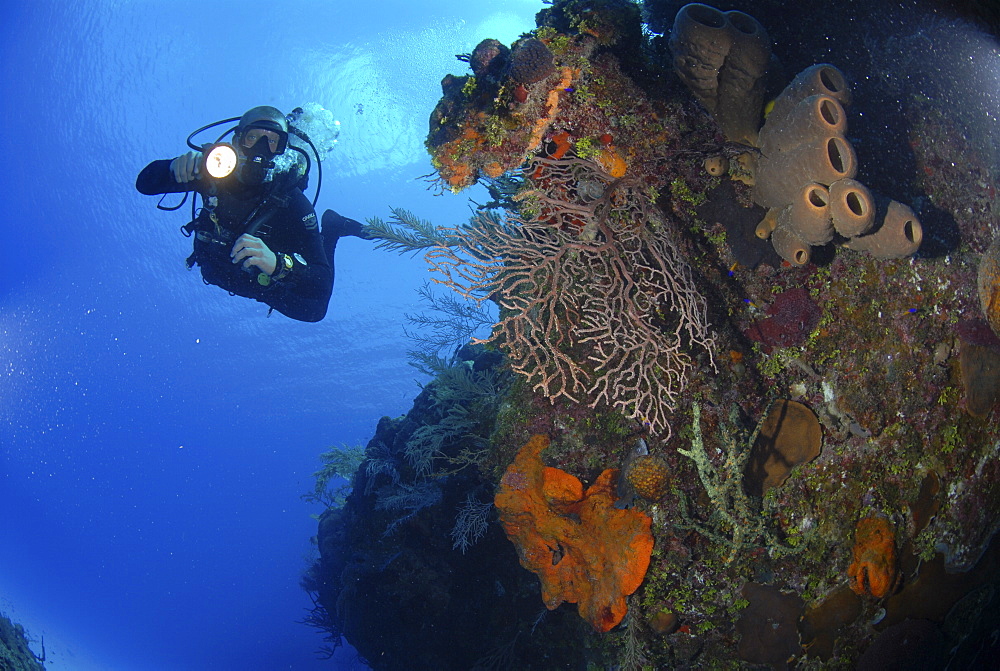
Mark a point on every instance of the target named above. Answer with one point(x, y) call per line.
point(583, 549)
point(873, 570)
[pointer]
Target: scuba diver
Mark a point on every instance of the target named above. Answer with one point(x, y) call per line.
point(256, 234)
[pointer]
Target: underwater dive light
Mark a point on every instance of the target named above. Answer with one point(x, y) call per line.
point(220, 160)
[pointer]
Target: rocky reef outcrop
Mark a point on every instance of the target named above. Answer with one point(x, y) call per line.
point(638, 306)
point(15, 653)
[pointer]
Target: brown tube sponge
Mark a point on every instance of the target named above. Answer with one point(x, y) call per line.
point(812, 117)
point(788, 244)
point(899, 235)
point(700, 41)
point(822, 79)
point(823, 159)
point(722, 59)
point(741, 81)
point(852, 208)
point(767, 225)
point(716, 166)
point(809, 215)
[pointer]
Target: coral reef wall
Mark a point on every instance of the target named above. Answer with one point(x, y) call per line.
point(814, 441)
point(15, 655)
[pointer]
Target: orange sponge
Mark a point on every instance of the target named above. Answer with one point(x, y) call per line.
point(583, 549)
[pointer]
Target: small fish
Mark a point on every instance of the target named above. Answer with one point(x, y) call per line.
point(569, 89)
point(734, 149)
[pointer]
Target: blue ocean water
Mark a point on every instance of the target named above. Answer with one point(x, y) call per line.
point(156, 434)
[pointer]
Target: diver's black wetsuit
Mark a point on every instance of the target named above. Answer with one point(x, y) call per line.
point(304, 293)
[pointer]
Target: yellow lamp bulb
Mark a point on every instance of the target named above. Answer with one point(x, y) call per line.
point(220, 161)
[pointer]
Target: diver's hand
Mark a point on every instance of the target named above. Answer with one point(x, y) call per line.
point(253, 253)
point(186, 167)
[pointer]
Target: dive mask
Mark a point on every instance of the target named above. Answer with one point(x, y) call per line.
point(257, 144)
point(276, 139)
point(261, 142)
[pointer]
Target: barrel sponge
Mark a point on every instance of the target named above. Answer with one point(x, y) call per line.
point(822, 159)
point(722, 58)
point(788, 244)
point(899, 235)
point(823, 79)
point(809, 215)
point(852, 207)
